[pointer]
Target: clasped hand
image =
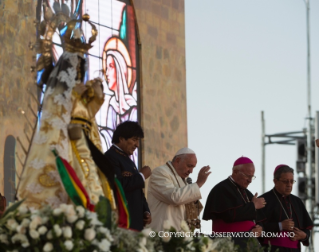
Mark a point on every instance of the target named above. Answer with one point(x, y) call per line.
point(257, 230)
point(258, 202)
point(299, 235)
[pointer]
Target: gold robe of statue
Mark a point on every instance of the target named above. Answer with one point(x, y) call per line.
point(40, 182)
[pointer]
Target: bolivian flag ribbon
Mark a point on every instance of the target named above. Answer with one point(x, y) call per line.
point(124, 214)
point(72, 183)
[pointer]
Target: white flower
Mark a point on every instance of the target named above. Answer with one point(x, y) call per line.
point(25, 244)
point(21, 229)
point(20, 238)
point(63, 206)
point(4, 239)
point(143, 241)
point(107, 233)
point(70, 210)
point(184, 226)
point(71, 218)
point(16, 238)
point(57, 230)
point(146, 232)
point(211, 245)
point(80, 224)
point(42, 230)
point(25, 222)
point(45, 219)
point(12, 224)
point(47, 247)
point(102, 230)
point(143, 249)
point(167, 225)
point(93, 217)
point(81, 211)
point(166, 238)
point(36, 221)
point(104, 245)
point(68, 245)
point(204, 248)
point(89, 234)
point(57, 211)
point(49, 235)
point(188, 237)
point(34, 234)
point(67, 232)
point(23, 209)
point(34, 210)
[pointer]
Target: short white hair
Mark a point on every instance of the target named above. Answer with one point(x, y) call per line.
point(182, 156)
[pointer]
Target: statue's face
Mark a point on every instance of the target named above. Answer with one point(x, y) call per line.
point(111, 73)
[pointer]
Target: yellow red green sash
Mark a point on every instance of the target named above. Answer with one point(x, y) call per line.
point(72, 184)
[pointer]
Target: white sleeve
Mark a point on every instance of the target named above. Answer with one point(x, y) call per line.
point(162, 186)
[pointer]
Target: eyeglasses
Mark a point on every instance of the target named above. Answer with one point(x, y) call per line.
point(287, 182)
point(247, 176)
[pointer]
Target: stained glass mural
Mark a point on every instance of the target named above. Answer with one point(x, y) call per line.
point(114, 57)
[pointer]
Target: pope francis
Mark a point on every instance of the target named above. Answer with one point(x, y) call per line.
point(169, 196)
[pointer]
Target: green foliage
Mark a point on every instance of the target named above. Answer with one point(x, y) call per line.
point(104, 212)
point(10, 211)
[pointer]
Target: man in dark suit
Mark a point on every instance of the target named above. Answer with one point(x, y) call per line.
point(125, 140)
point(233, 208)
point(288, 223)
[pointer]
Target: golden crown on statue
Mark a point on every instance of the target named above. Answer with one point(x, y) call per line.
point(73, 39)
point(70, 32)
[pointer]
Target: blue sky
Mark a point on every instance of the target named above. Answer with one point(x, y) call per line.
point(243, 57)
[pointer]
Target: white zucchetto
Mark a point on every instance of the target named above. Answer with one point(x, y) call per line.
point(184, 151)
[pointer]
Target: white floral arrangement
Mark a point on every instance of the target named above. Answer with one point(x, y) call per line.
point(70, 228)
point(66, 228)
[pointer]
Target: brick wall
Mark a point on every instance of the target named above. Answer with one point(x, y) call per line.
point(16, 31)
point(161, 29)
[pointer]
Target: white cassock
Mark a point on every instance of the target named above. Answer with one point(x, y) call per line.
point(167, 195)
